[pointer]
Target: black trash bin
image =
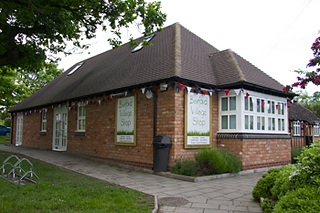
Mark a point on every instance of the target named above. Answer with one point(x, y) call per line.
point(161, 146)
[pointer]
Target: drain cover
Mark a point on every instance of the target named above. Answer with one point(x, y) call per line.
point(173, 201)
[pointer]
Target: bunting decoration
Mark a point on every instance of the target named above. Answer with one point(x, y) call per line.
point(177, 87)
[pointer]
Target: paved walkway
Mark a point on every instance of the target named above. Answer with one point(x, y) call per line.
point(219, 196)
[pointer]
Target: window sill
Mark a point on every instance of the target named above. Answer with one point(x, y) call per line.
point(253, 136)
point(80, 133)
point(42, 133)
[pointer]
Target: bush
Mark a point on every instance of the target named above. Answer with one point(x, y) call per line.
point(295, 152)
point(186, 167)
point(265, 184)
point(234, 164)
point(305, 199)
point(294, 188)
point(210, 161)
point(282, 183)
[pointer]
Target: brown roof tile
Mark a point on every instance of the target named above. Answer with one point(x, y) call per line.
point(176, 53)
point(299, 112)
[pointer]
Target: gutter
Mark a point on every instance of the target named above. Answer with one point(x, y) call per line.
point(242, 84)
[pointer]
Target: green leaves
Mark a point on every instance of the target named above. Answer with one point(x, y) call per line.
point(47, 26)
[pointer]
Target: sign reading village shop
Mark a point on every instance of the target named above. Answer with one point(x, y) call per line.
point(125, 118)
point(198, 120)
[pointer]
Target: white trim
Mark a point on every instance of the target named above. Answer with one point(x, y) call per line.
point(253, 113)
point(81, 118)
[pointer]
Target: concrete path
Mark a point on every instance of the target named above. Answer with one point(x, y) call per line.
point(231, 195)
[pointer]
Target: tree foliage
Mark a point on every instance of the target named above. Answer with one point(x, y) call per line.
point(31, 29)
point(17, 84)
point(310, 102)
point(306, 77)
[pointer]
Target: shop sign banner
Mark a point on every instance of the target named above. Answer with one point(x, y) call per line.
point(125, 132)
point(198, 123)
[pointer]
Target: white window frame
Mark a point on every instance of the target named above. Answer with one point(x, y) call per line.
point(255, 111)
point(296, 128)
point(316, 130)
point(230, 113)
point(44, 120)
point(81, 118)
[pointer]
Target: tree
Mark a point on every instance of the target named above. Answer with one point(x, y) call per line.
point(31, 29)
point(306, 77)
point(310, 102)
point(19, 84)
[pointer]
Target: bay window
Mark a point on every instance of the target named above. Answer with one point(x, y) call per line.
point(253, 113)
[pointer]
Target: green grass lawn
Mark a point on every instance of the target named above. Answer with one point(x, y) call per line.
point(4, 139)
point(66, 191)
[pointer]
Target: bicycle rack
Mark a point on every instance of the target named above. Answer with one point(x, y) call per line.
point(16, 174)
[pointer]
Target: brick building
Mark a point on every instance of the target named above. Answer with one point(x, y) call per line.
point(304, 125)
point(112, 105)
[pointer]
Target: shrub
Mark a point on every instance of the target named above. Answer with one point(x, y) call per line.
point(210, 161)
point(265, 184)
point(305, 199)
point(267, 205)
point(186, 167)
point(308, 171)
point(295, 152)
point(234, 163)
point(283, 184)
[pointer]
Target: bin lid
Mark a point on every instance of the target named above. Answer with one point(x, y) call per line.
point(163, 139)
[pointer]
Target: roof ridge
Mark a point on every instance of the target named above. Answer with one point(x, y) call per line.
point(176, 53)
point(234, 62)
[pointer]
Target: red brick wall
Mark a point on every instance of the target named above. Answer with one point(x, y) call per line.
point(31, 130)
point(259, 153)
point(99, 138)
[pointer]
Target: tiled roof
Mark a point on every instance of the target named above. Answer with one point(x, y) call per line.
point(176, 53)
point(299, 112)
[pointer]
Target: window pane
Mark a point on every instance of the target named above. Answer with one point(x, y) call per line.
point(258, 123)
point(279, 108)
point(224, 102)
point(269, 123)
point(233, 121)
point(273, 107)
point(83, 124)
point(279, 124)
point(80, 126)
point(262, 105)
point(251, 122)
point(80, 111)
point(246, 121)
point(246, 104)
point(224, 122)
point(262, 123)
point(269, 106)
point(258, 105)
point(233, 103)
point(282, 125)
point(84, 111)
point(251, 104)
point(273, 124)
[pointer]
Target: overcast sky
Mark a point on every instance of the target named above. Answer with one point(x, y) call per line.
point(273, 35)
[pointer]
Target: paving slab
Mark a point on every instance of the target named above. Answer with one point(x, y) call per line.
point(228, 194)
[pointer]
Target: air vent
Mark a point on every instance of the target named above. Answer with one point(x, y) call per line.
point(139, 47)
point(76, 68)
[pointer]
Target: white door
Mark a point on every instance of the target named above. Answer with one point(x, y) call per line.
point(19, 129)
point(60, 129)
